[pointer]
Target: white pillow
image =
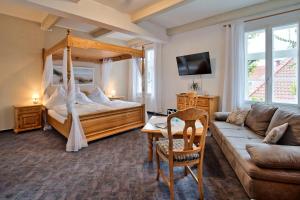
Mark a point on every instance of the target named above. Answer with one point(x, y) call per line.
point(80, 97)
point(57, 98)
point(98, 96)
point(275, 134)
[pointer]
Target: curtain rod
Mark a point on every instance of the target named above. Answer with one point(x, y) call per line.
point(267, 16)
point(258, 18)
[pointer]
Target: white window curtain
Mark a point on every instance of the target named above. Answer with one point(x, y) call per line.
point(154, 102)
point(234, 66)
point(135, 76)
point(47, 77)
point(105, 74)
point(76, 139)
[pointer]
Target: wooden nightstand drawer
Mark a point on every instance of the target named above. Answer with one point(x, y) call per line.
point(29, 120)
point(28, 117)
point(29, 109)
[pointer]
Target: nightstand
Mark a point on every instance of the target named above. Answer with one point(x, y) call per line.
point(27, 117)
point(116, 98)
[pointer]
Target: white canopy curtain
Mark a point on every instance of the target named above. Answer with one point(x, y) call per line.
point(234, 66)
point(47, 77)
point(76, 139)
point(105, 74)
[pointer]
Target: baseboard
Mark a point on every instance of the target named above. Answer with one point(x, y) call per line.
point(6, 130)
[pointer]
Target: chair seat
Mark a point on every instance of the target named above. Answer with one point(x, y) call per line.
point(178, 145)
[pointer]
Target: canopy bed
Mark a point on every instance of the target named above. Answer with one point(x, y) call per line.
point(80, 128)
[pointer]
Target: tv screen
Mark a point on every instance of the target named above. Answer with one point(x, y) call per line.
point(194, 64)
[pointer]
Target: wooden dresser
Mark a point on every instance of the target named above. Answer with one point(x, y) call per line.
point(208, 103)
point(27, 117)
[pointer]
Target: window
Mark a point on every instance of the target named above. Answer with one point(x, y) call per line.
point(285, 66)
point(272, 65)
point(149, 76)
point(256, 66)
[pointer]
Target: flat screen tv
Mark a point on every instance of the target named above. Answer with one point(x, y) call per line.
point(198, 63)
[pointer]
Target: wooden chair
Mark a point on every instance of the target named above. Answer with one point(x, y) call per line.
point(183, 152)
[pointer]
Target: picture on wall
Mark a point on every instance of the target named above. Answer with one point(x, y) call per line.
point(82, 75)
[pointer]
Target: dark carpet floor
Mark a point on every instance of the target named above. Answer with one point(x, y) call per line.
point(34, 165)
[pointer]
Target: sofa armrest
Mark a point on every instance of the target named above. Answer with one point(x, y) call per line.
point(220, 116)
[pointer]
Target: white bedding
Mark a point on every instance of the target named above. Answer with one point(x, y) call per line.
point(60, 112)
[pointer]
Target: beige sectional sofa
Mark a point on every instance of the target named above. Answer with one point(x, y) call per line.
point(269, 181)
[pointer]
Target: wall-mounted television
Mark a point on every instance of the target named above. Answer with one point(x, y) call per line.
point(198, 63)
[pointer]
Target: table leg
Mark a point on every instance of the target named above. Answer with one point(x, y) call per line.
point(150, 147)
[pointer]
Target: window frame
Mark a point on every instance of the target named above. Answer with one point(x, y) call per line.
point(146, 48)
point(268, 25)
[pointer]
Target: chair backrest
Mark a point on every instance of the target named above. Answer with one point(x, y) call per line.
point(189, 116)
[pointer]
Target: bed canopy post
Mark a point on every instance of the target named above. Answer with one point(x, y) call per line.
point(69, 57)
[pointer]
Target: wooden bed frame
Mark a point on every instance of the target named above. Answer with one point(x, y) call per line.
point(102, 124)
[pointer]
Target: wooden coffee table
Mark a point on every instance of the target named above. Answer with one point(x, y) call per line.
point(154, 132)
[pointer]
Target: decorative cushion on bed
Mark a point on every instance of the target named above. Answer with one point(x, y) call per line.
point(259, 117)
point(274, 156)
point(275, 134)
point(237, 117)
point(57, 98)
point(98, 96)
point(178, 145)
point(80, 97)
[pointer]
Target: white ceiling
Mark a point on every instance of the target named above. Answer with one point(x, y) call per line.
point(191, 11)
point(127, 6)
point(75, 25)
point(199, 9)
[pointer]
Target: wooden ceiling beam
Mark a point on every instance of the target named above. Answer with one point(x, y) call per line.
point(99, 32)
point(49, 22)
point(154, 9)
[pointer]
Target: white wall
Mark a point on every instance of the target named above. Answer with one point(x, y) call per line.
point(202, 40)
point(21, 64)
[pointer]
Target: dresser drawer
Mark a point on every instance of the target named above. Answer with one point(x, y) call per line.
point(203, 108)
point(181, 106)
point(202, 102)
point(181, 100)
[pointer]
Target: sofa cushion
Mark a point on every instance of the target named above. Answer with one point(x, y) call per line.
point(237, 117)
point(231, 130)
point(292, 134)
point(240, 158)
point(275, 134)
point(259, 117)
point(274, 156)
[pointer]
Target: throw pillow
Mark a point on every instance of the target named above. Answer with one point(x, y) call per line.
point(259, 118)
point(292, 135)
point(237, 117)
point(275, 134)
point(98, 96)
